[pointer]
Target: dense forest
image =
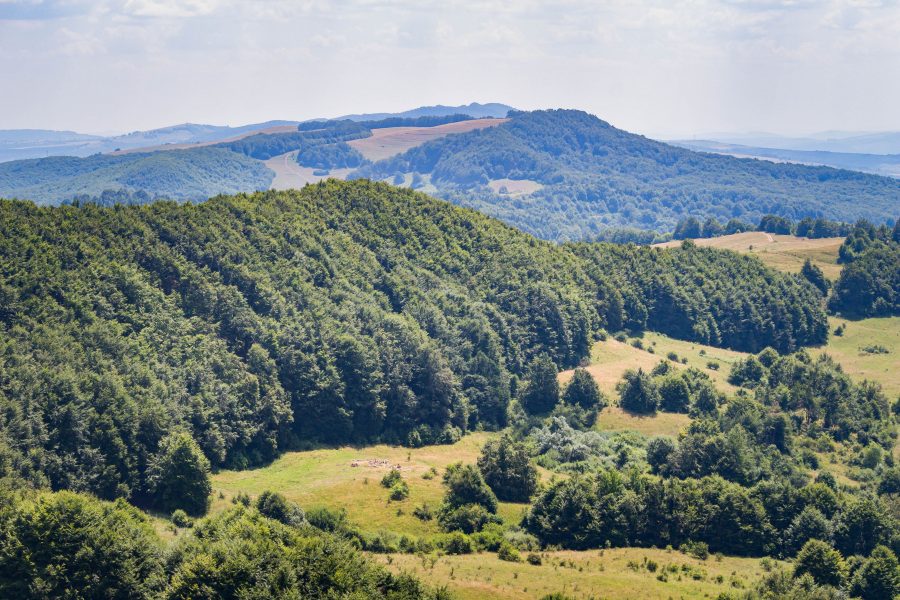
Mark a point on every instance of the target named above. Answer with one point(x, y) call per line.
point(193, 174)
point(66, 545)
point(808, 227)
point(595, 176)
point(342, 312)
point(869, 284)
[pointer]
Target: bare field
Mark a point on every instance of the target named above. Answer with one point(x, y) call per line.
point(389, 141)
point(615, 573)
point(783, 252)
point(515, 187)
point(290, 175)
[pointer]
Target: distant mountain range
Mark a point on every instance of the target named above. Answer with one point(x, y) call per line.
point(475, 110)
point(559, 174)
point(884, 142)
point(17, 144)
point(878, 164)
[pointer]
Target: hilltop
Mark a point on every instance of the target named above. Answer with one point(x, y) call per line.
point(587, 175)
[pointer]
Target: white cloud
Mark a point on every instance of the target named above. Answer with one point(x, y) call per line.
point(650, 65)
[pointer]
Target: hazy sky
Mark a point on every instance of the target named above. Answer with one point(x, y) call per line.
point(656, 67)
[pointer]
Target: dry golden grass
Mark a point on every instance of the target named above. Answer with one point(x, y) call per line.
point(783, 252)
point(590, 574)
point(390, 141)
point(290, 175)
point(611, 358)
point(613, 418)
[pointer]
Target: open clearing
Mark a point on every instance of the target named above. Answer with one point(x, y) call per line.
point(327, 477)
point(514, 187)
point(611, 358)
point(390, 141)
point(590, 574)
point(783, 252)
point(848, 350)
point(290, 175)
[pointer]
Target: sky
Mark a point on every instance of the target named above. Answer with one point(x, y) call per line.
point(664, 68)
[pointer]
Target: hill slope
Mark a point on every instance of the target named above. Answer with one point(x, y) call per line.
point(194, 174)
point(595, 176)
point(342, 312)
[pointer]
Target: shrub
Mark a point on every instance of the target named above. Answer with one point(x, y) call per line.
point(328, 519)
point(508, 553)
point(712, 365)
point(583, 391)
point(457, 543)
point(391, 479)
point(465, 485)
point(699, 550)
point(181, 519)
point(672, 356)
point(423, 512)
point(533, 559)
point(468, 518)
point(275, 506)
point(241, 498)
point(399, 491)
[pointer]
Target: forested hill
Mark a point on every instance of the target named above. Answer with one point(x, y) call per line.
point(192, 174)
point(342, 312)
point(584, 175)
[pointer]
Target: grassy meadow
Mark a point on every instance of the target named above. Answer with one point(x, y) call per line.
point(613, 574)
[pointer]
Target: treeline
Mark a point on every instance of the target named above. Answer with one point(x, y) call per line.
point(610, 508)
point(869, 284)
point(692, 228)
point(345, 312)
point(264, 146)
point(596, 177)
point(423, 121)
point(60, 545)
point(330, 156)
point(710, 296)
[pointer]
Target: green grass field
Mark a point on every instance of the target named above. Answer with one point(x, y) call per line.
point(591, 574)
point(859, 364)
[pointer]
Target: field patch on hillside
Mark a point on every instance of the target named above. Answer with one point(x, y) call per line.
point(613, 574)
point(290, 175)
point(611, 358)
point(514, 187)
point(350, 478)
point(390, 141)
point(783, 252)
point(868, 349)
